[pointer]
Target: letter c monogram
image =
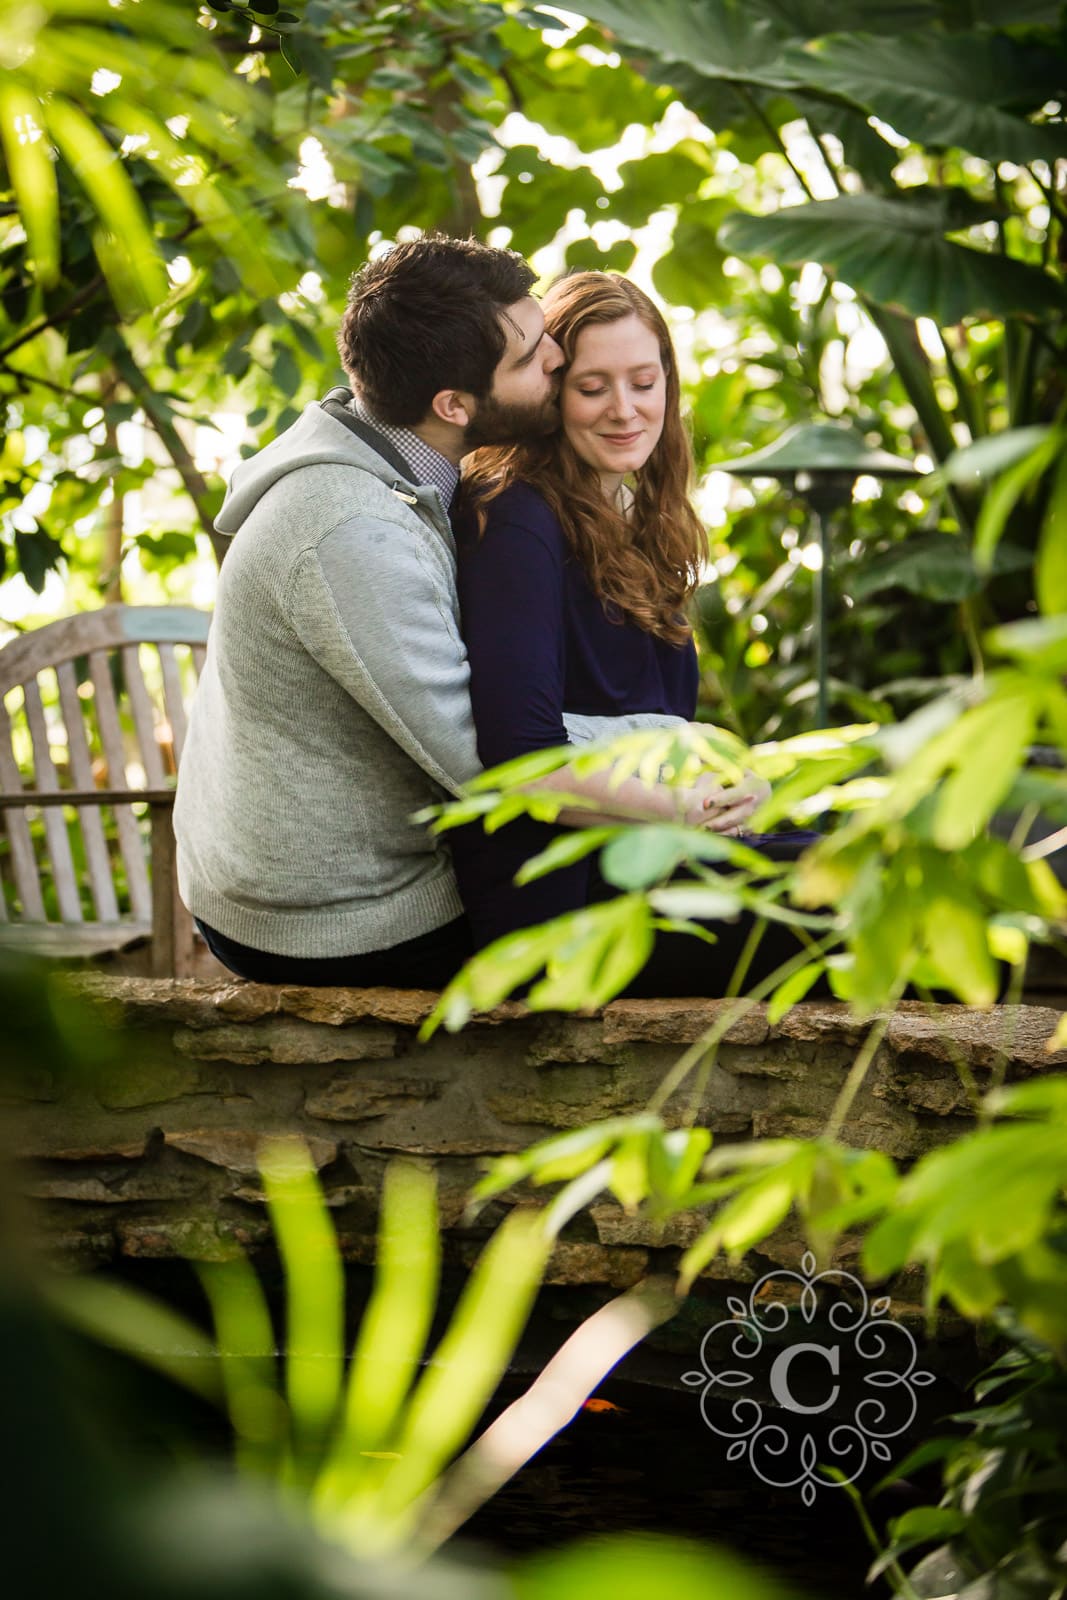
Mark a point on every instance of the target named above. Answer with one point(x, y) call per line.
point(780, 1376)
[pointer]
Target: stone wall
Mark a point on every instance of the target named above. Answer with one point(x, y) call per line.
point(152, 1153)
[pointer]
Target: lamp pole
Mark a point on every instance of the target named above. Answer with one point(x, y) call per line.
point(820, 462)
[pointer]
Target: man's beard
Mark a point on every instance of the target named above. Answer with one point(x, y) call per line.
point(496, 423)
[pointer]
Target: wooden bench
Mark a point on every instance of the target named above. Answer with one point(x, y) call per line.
point(93, 718)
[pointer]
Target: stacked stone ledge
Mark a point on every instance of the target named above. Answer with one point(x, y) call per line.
point(153, 1154)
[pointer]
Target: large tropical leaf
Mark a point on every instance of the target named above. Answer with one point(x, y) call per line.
point(51, 94)
point(960, 91)
point(720, 38)
point(810, 19)
point(1014, 13)
point(740, 113)
point(937, 566)
point(894, 250)
point(742, 39)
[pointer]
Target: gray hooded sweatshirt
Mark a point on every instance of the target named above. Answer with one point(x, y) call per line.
point(333, 704)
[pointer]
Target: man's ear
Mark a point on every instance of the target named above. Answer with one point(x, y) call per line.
point(454, 406)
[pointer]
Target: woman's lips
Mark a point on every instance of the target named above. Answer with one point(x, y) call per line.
point(621, 438)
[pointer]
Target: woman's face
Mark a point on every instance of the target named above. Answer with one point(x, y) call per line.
point(613, 398)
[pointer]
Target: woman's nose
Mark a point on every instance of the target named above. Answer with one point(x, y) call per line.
point(622, 404)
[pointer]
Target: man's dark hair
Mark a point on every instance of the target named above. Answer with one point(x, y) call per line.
point(426, 317)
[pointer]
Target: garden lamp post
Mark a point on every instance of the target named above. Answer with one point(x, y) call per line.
point(820, 462)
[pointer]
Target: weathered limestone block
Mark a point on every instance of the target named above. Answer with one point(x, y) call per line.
point(146, 1002)
point(352, 1099)
point(619, 1266)
point(235, 1148)
point(561, 1096)
point(614, 1225)
point(679, 1021)
point(284, 1042)
point(81, 1250)
point(574, 1039)
point(983, 1038)
point(197, 1239)
point(147, 1077)
point(937, 1096)
point(443, 1144)
point(822, 1022)
point(116, 1187)
point(113, 1151)
point(29, 1083)
point(408, 1008)
point(762, 1063)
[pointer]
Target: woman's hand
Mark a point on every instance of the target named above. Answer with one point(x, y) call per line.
point(724, 810)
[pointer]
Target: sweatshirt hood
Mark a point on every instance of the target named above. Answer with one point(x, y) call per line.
point(315, 439)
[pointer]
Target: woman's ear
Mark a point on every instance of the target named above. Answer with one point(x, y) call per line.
point(454, 406)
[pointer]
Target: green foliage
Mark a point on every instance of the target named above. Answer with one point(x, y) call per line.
point(636, 1565)
point(1005, 1488)
point(373, 1480)
point(946, 209)
point(984, 1216)
point(895, 250)
point(402, 102)
point(909, 886)
point(362, 1449)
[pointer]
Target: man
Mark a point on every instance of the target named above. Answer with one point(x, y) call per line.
point(333, 702)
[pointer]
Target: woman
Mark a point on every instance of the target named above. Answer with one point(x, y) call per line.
point(577, 555)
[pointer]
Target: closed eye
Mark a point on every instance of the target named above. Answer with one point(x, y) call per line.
point(591, 394)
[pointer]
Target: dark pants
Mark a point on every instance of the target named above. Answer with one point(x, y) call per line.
point(681, 964)
point(428, 962)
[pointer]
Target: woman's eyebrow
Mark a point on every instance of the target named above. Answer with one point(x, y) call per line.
point(595, 372)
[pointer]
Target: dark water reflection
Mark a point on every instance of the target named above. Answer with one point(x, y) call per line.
point(644, 1461)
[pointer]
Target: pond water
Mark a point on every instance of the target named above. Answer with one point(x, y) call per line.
point(642, 1456)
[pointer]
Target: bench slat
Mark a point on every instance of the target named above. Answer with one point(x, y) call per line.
point(55, 826)
point(23, 859)
point(129, 833)
point(143, 717)
point(172, 694)
point(97, 856)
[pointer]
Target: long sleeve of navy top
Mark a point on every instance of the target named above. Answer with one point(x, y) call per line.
point(540, 643)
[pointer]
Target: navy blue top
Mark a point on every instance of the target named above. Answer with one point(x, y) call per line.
point(541, 642)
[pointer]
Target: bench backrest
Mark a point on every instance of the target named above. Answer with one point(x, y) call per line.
point(95, 705)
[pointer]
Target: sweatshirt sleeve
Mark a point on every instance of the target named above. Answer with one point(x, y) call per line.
point(377, 612)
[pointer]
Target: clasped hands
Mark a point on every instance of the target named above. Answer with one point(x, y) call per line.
point(709, 804)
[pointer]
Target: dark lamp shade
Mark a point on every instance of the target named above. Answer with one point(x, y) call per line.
point(819, 450)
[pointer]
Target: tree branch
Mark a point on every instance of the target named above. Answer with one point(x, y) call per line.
point(65, 313)
point(158, 414)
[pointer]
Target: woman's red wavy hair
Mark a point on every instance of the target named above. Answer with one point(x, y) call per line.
point(647, 564)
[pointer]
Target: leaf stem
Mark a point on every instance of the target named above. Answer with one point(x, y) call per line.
point(1010, 1011)
point(959, 1060)
point(860, 1067)
point(965, 407)
point(971, 634)
point(710, 1039)
point(820, 140)
point(902, 1583)
point(776, 138)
